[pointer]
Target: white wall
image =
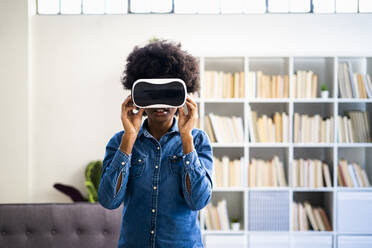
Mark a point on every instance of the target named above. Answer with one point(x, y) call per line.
point(14, 152)
point(77, 62)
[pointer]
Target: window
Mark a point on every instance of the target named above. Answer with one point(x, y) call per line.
point(70, 7)
point(324, 6)
point(151, 6)
point(299, 6)
point(346, 6)
point(201, 6)
point(93, 6)
point(208, 7)
point(116, 7)
point(278, 6)
point(185, 6)
point(48, 6)
point(254, 6)
point(365, 6)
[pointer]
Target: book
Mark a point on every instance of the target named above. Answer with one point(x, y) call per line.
point(325, 220)
point(219, 84)
point(351, 175)
point(306, 216)
point(266, 173)
point(310, 216)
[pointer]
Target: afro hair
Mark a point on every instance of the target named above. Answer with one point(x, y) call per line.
point(162, 59)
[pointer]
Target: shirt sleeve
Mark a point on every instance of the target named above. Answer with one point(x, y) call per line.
point(198, 164)
point(114, 163)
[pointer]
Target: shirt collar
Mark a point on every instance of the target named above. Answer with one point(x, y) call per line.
point(144, 128)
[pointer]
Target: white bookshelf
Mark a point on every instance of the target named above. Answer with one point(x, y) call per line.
point(238, 198)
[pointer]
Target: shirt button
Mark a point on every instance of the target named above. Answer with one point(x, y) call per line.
point(156, 166)
point(139, 160)
point(122, 163)
point(152, 231)
point(174, 156)
point(187, 162)
point(153, 210)
point(158, 148)
point(154, 187)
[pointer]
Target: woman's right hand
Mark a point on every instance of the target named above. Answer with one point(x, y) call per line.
point(131, 122)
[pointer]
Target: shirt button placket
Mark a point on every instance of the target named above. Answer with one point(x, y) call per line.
point(153, 210)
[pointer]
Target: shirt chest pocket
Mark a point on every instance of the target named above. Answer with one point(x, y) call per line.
point(175, 163)
point(138, 164)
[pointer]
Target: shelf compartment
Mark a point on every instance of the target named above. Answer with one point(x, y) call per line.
point(260, 240)
point(219, 173)
point(357, 65)
point(268, 210)
point(223, 240)
point(309, 241)
point(343, 109)
point(220, 72)
point(324, 110)
point(224, 131)
point(323, 154)
point(267, 154)
point(234, 204)
point(316, 199)
point(354, 241)
point(323, 67)
point(359, 155)
point(354, 212)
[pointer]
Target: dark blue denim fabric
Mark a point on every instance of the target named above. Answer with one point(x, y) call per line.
point(158, 211)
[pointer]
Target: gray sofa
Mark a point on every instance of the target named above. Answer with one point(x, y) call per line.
point(64, 225)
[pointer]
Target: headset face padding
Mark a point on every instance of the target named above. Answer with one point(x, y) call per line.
point(159, 93)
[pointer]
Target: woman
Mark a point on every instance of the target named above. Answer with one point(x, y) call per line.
point(161, 169)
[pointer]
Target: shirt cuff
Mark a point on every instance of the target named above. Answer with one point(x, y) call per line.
point(120, 160)
point(191, 161)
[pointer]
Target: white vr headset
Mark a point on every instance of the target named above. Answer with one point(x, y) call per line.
point(159, 93)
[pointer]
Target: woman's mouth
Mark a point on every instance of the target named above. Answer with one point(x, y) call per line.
point(160, 111)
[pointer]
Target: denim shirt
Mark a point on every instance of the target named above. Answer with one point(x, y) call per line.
point(158, 210)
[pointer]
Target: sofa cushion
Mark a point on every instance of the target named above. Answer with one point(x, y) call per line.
point(64, 225)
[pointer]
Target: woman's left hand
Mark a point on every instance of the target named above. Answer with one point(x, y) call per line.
point(186, 122)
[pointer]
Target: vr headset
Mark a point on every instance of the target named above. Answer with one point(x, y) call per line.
point(159, 93)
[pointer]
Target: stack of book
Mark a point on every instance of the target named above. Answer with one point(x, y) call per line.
point(305, 84)
point(267, 86)
point(268, 211)
point(217, 217)
point(310, 173)
point(353, 85)
point(266, 173)
point(307, 217)
point(354, 127)
point(267, 129)
point(227, 173)
point(223, 129)
point(312, 129)
point(351, 175)
point(218, 84)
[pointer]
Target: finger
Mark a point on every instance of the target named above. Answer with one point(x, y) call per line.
point(181, 111)
point(189, 104)
point(192, 109)
point(141, 111)
point(129, 97)
point(128, 109)
point(189, 99)
point(125, 104)
point(138, 114)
